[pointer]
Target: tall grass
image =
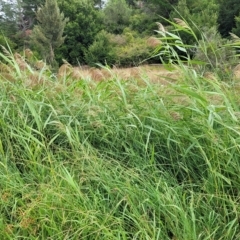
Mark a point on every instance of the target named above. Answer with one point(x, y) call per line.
point(119, 159)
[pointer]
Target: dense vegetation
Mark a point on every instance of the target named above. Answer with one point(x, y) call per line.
point(143, 158)
point(113, 32)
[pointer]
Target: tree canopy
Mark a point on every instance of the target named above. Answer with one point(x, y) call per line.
point(228, 10)
point(47, 35)
point(85, 21)
point(93, 23)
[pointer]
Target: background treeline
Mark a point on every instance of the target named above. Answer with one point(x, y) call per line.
point(113, 32)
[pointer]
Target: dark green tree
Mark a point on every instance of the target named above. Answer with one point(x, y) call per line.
point(101, 51)
point(116, 16)
point(132, 3)
point(147, 12)
point(29, 9)
point(161, 8)
point(18, 18)
point(236, 30)
point(199, 14)
point(8, 18)
point(47, 35)
point(99, 3)
point(85, 21)
point(228, 10)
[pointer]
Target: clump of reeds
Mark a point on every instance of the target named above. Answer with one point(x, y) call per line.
point(153, 42)
point(117, 159)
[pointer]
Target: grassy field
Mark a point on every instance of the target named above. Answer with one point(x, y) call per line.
point(141, 153)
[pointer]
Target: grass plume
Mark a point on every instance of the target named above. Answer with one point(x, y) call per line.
point(119, 159)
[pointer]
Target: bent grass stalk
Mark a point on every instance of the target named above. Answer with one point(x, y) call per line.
point(84, 160)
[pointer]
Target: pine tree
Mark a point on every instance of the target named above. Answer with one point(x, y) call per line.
point(47, 35)
point(29, 9)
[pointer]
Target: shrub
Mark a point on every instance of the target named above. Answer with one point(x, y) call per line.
point(6, 42)
point(127, 49)
point(210, 51)
point(216, 52)
point(132, 50)
point(143, 23)
point(133, 54)
point(101, 51)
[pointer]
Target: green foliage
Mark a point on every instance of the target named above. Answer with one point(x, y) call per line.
point(122, 50)
point(89, 17)
point(158, 8)
point(132, 50)
point(228, 10)
point(8, 22)
point(215, 51)
point(210, 51)
point(236, 30)
point(30, 7)
point(203, 13)
point(200, 15)
point(133, 54)
point(99, 3)
point(48, 34)
point(119, 160)
point(116, 16)
point(146, 13)
point(85, 21)
point(17, 18)
point(101, 51)
point(143, 23)
point(172, 48)
point(6, 42)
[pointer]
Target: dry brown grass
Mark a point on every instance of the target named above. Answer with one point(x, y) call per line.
point(39, 65)
point(34, 79)
point(6, 72)
point(236, 72)
point(8, 77)
point(4, 68)
point(20, 61)
point(28, 53)
point(64, 70)
point(153, 42)
point(29, 77)
point(210, 76)
point(181, 23)
point(96, 74)
point(153, 73)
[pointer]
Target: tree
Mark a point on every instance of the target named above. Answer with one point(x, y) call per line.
point(161, 8)
point(47, 35)
point(101, 51)
point(99, 3)
point(236, 30)
point(146, 12)
point(116, 16)
point(8, 18)
point(17, 18)
point(203, 13)
point(228, 10)
point(132, 3)
point(85, 21)
point(29, 9)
